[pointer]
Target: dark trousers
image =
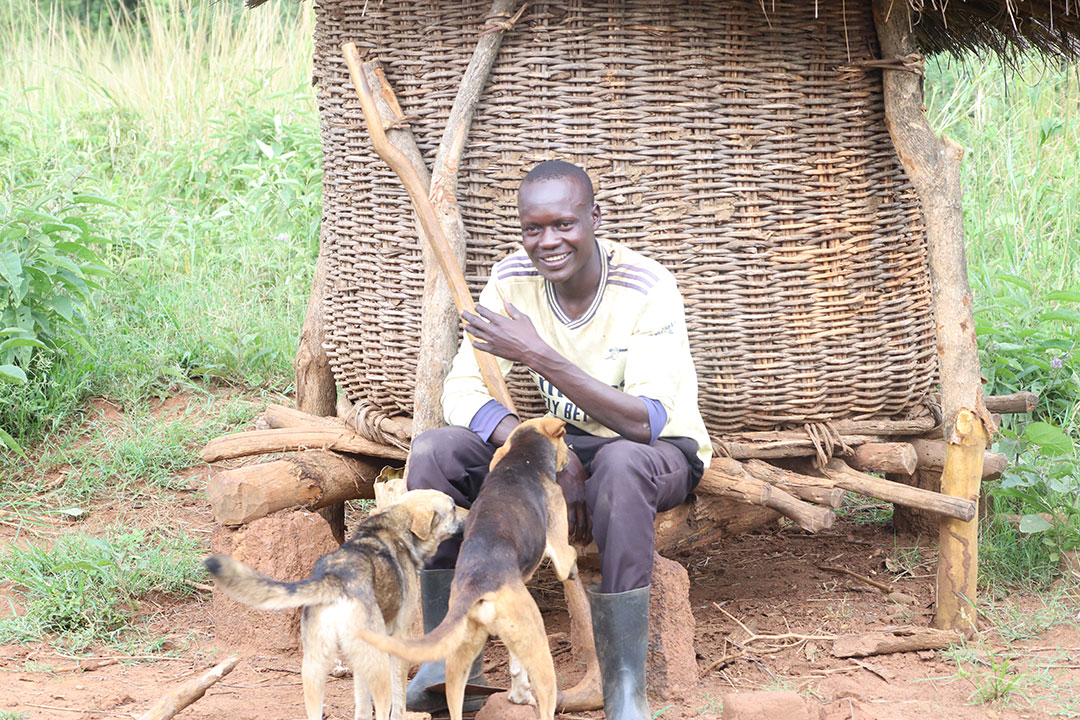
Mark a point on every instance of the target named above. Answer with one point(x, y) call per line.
point(628, 484)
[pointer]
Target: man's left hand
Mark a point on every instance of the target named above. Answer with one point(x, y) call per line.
point(513, 338)
point(572, 481)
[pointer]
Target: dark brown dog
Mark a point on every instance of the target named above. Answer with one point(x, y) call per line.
point(518, 518)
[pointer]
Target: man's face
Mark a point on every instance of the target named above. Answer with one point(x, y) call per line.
point(557, 224)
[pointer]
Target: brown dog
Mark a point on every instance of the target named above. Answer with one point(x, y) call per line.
point(518, 518)
point(368, 583)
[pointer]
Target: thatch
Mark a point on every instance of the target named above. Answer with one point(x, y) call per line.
point(1008, 28)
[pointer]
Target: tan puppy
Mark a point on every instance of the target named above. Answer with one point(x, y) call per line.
point(518, 518)
point(370, 582)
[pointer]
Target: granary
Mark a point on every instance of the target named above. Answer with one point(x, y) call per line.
point(773, 154)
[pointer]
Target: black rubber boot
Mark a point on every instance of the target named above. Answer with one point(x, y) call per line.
point(621, 630)
point(434, 600)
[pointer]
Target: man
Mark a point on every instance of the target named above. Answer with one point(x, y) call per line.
point(602, 330)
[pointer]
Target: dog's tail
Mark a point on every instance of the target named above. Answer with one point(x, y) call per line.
point(253, 588)
point(437, 644)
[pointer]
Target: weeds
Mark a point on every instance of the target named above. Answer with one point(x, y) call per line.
point(86, 589)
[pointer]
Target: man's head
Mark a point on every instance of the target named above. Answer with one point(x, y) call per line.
point(558, 218)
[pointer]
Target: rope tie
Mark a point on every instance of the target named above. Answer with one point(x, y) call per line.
point(367, 420)
point(912, 63)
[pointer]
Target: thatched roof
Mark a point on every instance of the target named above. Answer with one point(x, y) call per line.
point(1005, 27)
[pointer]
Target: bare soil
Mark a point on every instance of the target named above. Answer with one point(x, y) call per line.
point(763, 608)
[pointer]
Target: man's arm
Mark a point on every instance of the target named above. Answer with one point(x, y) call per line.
point(514, 338)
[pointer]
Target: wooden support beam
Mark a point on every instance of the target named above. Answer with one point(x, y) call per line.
point(1021, 402)
point(932, 454)
point(311, 479)
point(850, 479)
point(804, 487)
point(933, 165)
point(731, 480)
point(797, 443)
point(260, 442)
point(895, 457)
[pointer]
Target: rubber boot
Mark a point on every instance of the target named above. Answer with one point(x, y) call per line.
point(621, 631)
point(434, 600)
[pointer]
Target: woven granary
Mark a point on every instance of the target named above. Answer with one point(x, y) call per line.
point(745, 150)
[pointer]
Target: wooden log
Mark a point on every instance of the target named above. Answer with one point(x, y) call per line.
point(931, 455)
point(281, 416)
point(260, 442)
point(797, 443)
point(903, 639)
point(311, 479)
point(438, 320)
point(189, 692)
point(804, 487)
point(1020, 402)
point(731, 480)
point(850, 479)
point(933, 166)
point(895, 457)
point(489, 367)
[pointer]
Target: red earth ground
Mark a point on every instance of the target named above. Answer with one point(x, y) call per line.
point(756, 598)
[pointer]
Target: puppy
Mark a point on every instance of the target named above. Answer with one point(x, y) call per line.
point(369, 582)
point(518, 518)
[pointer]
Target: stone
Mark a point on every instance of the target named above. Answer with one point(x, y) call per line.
point(765, 705)
point(671, 670)
point(499, 707)
point(285, 547)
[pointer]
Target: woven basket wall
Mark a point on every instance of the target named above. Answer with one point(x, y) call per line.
point(745, 151)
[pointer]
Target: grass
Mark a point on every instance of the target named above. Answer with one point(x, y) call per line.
point(85, 589)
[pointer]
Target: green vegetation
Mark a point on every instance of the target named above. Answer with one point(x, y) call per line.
point(1021, 135)
point(86, 589)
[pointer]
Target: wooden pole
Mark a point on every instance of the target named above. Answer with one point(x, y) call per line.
point(438, 323)
point(489, 368)
point(260, 442)
point(933, 165)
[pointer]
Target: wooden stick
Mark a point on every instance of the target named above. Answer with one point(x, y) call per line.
point(883, 587)
point(933, 165)
point(397, 161)
point(189, 692)
point(796, 443)
point(903, 639)
point(281, 416)
point(438, 324)
point(1021, 402)
point(260, 442)
point(895, 457)
point(942, 504)
point(310, 479)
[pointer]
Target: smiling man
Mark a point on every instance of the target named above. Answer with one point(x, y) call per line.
point(602, 330)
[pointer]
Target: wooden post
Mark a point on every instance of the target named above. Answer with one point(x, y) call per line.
point(933, 165)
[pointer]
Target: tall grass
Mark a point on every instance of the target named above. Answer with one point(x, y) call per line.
point(199, 123)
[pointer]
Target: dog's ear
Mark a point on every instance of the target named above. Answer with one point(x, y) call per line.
point(424, 521)
point(554, 428)
point(499, 453)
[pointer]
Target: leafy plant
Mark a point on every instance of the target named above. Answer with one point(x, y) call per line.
point(47, 276)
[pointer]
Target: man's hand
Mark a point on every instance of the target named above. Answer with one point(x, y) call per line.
point(572, 481)
point(512, 338)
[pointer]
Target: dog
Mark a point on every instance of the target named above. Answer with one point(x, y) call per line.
point(518, 518)
point(370, 582)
